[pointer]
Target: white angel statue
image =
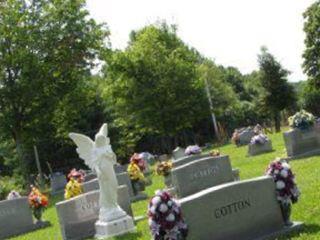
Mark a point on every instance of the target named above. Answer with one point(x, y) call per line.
point(98, 155)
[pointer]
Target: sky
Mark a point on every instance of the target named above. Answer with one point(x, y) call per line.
point(231, 32)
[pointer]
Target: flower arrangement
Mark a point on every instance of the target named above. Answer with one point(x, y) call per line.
point(165, 218)
point(138, 159)
point(164, 168)
point(302, 120)
point(214, 153)
point(77, 174)
point(259, 139)
point(13, 195)
point(235, 137)
point(38, 202)
point(73, 189)
point(135, 172)
point(286, 188)
point(192, 149)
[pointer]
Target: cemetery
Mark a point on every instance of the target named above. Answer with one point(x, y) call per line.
point(131, 120)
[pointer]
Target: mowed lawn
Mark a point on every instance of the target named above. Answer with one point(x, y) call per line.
point(307, 172)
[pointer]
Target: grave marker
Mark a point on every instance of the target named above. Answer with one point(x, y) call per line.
point(244, 210)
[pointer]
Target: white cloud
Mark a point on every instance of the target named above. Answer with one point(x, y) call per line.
point(229, 31)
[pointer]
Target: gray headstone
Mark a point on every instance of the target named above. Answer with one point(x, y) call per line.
point(58, 182)
point(89, 176)
point(77, 216)
point(301, 143)
point(255, 149)
point(90, 185)
point(15, 217)
point(124, 179)
point(198, 175)
point(118, 168)
point(245, 136)
point(241, 210)
point(163, 157)
point(187, 159)
point(178, 153)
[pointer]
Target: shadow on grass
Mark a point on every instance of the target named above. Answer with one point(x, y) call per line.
point(309, 229)
point(131, 236)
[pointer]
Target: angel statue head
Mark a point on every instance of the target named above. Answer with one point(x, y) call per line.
point(90, 151)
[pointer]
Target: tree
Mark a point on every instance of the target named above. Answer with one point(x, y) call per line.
point(47, 48)
point(279, 94)
point(311, 57)
point(152, 86)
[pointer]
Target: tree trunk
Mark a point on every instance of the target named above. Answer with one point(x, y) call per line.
point(277, 122)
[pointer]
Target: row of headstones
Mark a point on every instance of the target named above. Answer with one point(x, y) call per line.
point(299, 143)
point(77, 216)
point(215, 206)
point(245, 137)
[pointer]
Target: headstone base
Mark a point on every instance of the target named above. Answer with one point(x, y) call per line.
point(303, 155)
point(114, 228)
point(296, 226)
point(140, 196)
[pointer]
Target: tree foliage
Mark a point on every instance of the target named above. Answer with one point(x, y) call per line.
point(311, 57)
point(279, 94)
point(47, 48)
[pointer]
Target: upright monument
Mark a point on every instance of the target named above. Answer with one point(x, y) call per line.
point(98, 156)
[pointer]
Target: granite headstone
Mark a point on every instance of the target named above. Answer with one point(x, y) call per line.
point(255, 149)
point(302, 143)
point(198, 175)
point(244, 210)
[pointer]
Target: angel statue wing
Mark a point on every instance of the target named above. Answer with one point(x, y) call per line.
point(85, 148)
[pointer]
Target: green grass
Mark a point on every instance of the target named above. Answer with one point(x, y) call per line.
point(307, 172)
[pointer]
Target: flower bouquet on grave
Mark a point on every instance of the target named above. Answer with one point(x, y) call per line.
point(286, 188)
point(77, 175)
point(137, 159)
point(214, 153)
point(259, 139)
point(302, 120)
point(164, 168)
point(73, 189)
point(136, 177)
point(38, 202)
point(236, 137)
point(13, 195)
point(192, 149)
point(165, 218)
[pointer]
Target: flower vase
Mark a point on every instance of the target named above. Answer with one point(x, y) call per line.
point(37, 213)
point(286, 212)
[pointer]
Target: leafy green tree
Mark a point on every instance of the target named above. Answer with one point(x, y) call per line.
point(47, 48)
point(279, 94)
point(152, 86)
point(311, 57)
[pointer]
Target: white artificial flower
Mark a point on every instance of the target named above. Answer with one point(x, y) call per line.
point(170, 217)
point(153, 209)
point(158, 192)
point(156, 200)
point(280, 184)
point(169, 203)
point(163, 208)
point(276, 171)
point(284, 173)
point(285, 165)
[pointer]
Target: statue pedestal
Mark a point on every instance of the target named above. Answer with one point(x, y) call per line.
point(115, 227)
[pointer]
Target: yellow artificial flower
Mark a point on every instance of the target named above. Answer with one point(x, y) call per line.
point(135, 172)
point(73, 189)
